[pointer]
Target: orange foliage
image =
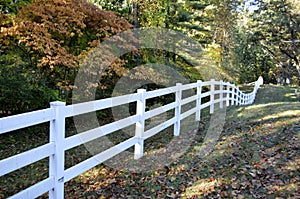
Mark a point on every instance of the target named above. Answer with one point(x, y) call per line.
point(56, 32)
point(56, 35)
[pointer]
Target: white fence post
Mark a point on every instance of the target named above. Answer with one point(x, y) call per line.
point(243, 98)
point(221, 94)
point(198, 102)
point(177, 109)
point(140, 125)
point(260, 81)
point(235, 94)
point(232, 94)
point(227, 94)
point(212, 96)
point(248, 97)
point(238, 98)
point(57, 161)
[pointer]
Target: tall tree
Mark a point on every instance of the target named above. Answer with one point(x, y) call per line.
point(277, 27)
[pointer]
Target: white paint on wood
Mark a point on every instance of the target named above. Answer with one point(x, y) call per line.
point(20, 121)
point(160, 92)
point(86, 107)
point(188, 86)
point(205, 105)
point(221, 94)
point(35, 190)
point(227, 94)
point(160, 110)
point(99, 158)
point(57, 160)
point(23, 159)
point(140, 124)
point(188, 113)
point(206, 94)
point(93, 134)
point(199, 100)
point(153, 131)
point(177, 109)
point(188, 100)
point(212, 96)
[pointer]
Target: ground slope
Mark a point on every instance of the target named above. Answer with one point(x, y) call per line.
point(256, 156)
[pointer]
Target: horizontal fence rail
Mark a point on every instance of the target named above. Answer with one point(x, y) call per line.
point(222, 93)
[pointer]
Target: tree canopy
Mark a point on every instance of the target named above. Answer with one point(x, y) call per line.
point(44, 42)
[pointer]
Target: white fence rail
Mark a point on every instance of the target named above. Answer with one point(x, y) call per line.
point(219, 93)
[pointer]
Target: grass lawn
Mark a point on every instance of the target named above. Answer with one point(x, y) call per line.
point(256, 155)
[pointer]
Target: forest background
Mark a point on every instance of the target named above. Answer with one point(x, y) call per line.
point(43, 43)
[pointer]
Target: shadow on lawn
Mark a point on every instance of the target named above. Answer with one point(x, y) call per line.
point(257, 156)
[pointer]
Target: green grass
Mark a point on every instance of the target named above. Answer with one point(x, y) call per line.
point(255, 155)
point(258, 152)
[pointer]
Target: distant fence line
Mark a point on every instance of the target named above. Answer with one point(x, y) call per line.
point(219, 93)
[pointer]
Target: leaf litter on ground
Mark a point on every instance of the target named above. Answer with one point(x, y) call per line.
point(256, 156)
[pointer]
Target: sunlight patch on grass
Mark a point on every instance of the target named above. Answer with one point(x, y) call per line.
point(202, 187)
point(291, 95)
point(289, 113)
point(259, 106)
point(269, 109)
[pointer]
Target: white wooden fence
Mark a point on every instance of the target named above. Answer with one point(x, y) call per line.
point(226, 93)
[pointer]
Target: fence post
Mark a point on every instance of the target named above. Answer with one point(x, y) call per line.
point(177, 109)
point(57, 161)
point(237, 96)
point(198, 102)
point(243, 98)
point(240, 97)
point(260, 81)
point(221, 94)
point(212, 96)
point(140, 125)
point(227, 94)
point(248, 98)
point(254, 91)
point(232, 94)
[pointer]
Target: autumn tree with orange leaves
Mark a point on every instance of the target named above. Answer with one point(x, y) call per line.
point(42, 47)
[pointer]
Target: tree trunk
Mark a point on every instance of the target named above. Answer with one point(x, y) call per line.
point(136, 24)
point(136, 15)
